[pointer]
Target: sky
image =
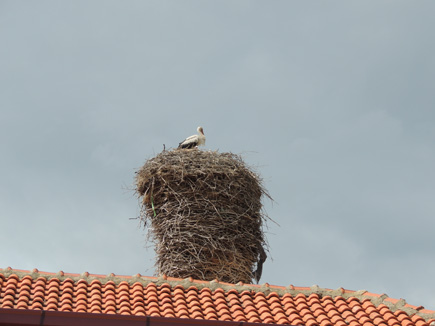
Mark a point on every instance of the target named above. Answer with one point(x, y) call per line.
point(331, 102)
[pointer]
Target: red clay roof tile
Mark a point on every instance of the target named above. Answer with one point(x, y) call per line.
point(171, 297)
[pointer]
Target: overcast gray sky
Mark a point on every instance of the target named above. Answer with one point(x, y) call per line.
point(332, 102)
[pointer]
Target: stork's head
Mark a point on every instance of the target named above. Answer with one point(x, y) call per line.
point(200, 130)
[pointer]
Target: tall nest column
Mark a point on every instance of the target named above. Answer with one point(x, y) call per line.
point(205, 215)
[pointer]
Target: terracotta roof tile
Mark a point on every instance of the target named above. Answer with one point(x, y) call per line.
point(177, 298)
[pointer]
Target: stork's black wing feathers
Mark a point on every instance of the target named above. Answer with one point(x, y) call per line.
point(187, 145)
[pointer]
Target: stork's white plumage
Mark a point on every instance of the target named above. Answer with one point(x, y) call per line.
point(193, 141)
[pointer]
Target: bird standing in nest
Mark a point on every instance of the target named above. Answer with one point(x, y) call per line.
point(193, 141)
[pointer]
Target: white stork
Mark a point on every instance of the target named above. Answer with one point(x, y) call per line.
point(193, 141)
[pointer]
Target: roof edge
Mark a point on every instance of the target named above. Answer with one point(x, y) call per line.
point(63, 318)
point(266, 288)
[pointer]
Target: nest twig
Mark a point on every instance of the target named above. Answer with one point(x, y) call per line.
point(206, 215)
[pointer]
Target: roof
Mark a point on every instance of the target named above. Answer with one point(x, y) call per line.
point(187, 298)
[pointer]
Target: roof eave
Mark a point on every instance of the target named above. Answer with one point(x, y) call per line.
point(24, 317)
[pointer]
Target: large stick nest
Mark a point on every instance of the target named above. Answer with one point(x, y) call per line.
point(206, 215)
